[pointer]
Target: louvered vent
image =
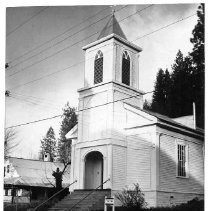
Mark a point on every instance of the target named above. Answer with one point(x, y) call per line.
point(126, 69)
point(98, 68)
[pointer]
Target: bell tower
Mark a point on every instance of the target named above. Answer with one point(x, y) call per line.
point(111, 77)
point(111, 80)
point(112, 58)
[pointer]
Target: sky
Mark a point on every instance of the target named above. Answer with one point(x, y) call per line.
point(32, 57)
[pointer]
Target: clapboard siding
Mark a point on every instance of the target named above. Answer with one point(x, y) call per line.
point(119, 167)
point(168, 179)
point(139, 168)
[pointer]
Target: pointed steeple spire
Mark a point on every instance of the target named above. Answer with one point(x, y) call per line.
point(112, 27)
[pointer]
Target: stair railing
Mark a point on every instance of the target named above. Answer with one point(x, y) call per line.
point(88, 195)
point(53, 196)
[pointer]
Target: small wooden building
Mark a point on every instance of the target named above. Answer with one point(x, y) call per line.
point(27, 180)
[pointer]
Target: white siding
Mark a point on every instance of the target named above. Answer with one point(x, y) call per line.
point(168, 179)
point(139, 164)
point(94, 120)
point(119, 167)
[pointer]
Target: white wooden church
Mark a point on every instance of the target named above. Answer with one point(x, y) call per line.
point(117, 139)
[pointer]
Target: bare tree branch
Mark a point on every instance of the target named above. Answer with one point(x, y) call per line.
point(48, 178)
point(65, 165)
point(10, 141)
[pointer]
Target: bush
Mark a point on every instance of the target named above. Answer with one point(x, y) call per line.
point(132, 198)
point(192, 205)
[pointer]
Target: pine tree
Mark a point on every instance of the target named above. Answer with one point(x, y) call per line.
point(161, 92)
point(180, 97)
point(69, 121)
point(175, 93)
point(167, 90)
point(48, 144)
point(198, 59)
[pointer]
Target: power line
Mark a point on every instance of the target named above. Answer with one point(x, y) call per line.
point(37, 98)
point(60, 42)
point(71, 45)
point(48, 75)
point(55, 44)
point(69, 29)
point(27, 123)
point(54, 38)
point(167, 25)
point(16, 28)
point(69, 67)
point(112, 101)
point(35, 105)
point(22, 100)
point(34, 101)
point(30, 99)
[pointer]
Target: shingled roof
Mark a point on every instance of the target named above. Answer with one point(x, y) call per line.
point(112, 27)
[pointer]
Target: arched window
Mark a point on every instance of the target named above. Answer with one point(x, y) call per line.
point(98, 68)
point(126, 68)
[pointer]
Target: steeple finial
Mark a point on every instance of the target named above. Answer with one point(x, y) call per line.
point(113, 9)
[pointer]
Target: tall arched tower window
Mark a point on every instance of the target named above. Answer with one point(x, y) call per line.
point(126, 68)
point(98, 68)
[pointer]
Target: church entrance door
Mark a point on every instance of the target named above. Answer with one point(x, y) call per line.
point(93, 170)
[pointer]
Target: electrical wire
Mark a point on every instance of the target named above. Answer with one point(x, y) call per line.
point(33, 97)
point(67, 47)
point(27, 123)
point(111, 101)
point(16, 28)
point(34, 102)
point(56, 116)
point(82, 61)
point(55, 44)
point(48, 41)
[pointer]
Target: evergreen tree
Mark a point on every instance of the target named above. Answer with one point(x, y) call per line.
point(69, 121)
point(160, 95)
point(180, 96)
point(175, 93)
point(167, 90)
point(48, 144)
point(198, 59)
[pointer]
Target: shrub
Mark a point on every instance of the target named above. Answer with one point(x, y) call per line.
point(132, 198)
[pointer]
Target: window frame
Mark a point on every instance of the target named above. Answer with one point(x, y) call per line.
point(130, 73)
point(99, 52)
point(182, 143)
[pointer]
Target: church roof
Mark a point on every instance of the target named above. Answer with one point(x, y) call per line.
point(167, 120)
point(112, 27)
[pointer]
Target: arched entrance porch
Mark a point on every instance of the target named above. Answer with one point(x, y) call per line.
point(93, 170)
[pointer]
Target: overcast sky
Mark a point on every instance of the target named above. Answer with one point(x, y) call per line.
point(29, 27)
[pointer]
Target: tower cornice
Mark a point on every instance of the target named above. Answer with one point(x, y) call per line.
point(118, 38)
point(114, 83)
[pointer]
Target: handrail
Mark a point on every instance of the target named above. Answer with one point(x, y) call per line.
point(88, 195)
point(54, 195)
